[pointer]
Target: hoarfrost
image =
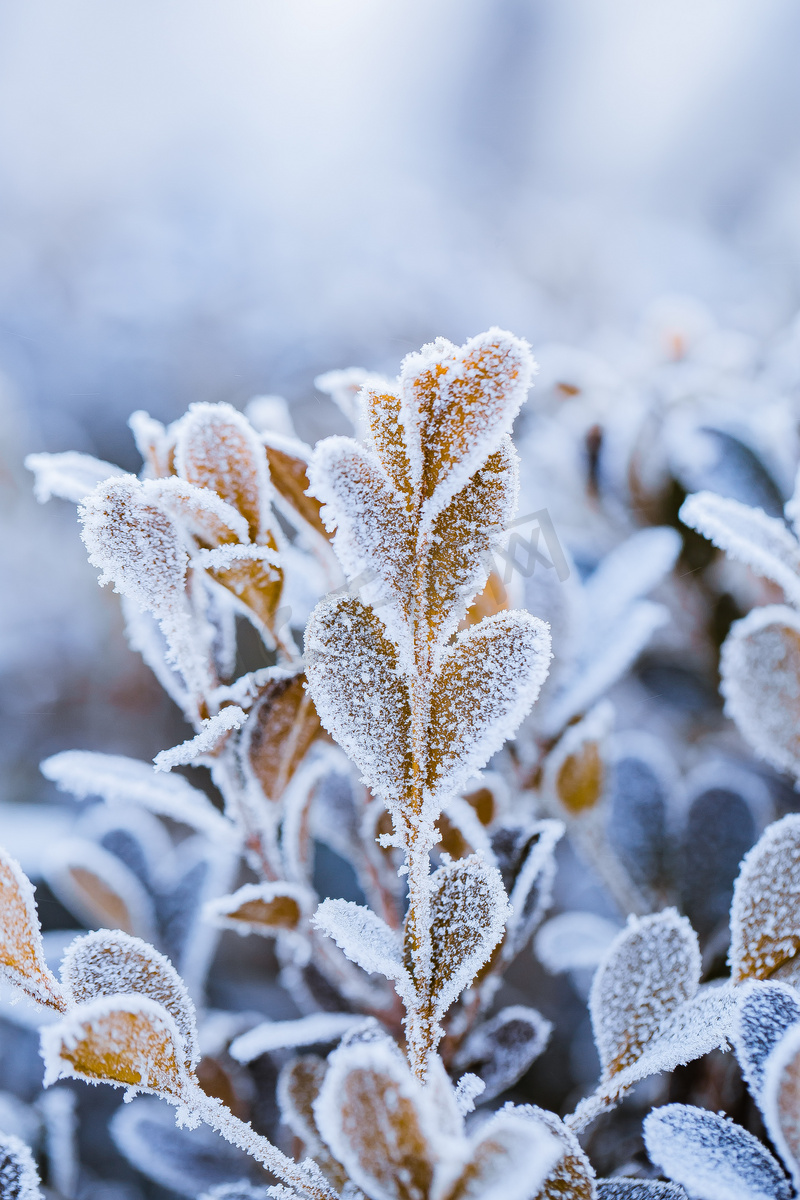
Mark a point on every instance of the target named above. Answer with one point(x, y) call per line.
point(364, 937)
point(96, 886)
point(70, 475)
point(637, 1189)
point(19, 1179)
point(765, 1012)
point(713, 1158)
point(502, 1049)
point(213, 731)
point(510, 1157)
point(780, 1099)
point(765, 925)
point(319, 1028)
point(625, 574)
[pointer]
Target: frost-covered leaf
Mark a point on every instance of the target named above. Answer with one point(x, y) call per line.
point(765, 915)
point(217, 448)
point(299, 1085)
point(22, 958)
point(575, 770)
point(574, 941)
point(485, 685)
point(364, 937)
point(500, 1050)
point(638, 1189)
point(509, 1158)
point(129, 1041)
point(185, 1161)
point(99, 888)
point(263, 908)
point(378, 1122)
point(69, 475)
point(155, 443)
point(468, 910)
point(627, 573)
point(213, 734)
point(765, 1012)
point(713, 1158)
point(780, 1099)
point(205, 515)
point(361, 699)
point(106, 963)
point(652, 967)
point(19, 1179)
point(572, 1175)
point(526, 858)
point(748, 534)
point(760, 668)
point(383, 412)
point(457, 405)
point(281, 727)
point(319, 1028)
point(288, 469)
point(120, 780)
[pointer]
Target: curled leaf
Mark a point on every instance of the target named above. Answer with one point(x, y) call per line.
point(99, 888)
point(502, 1049)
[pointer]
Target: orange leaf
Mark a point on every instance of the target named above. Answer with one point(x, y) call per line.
point(282, 725)
point(22, 958)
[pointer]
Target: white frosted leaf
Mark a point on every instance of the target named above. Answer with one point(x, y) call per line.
point(749, 535)
point(204, 514)
point(652, 967)
point(458, 403)
point(375, 537)
point(344, 388)
point(98, 888)
point(468, 910)
point(765, 914)
point(242, 1190)
point(69, 475)
point(270, 414)
point(378, 1122)
point(760, 669)
point(19, 1179)
point(627, 573)
point(22, 956)
point(533, 876)
point(218, 449)
point(155, 443)
point(319, 1028)
point(106, 962)
point(713, 1158)
point(213, 733)
point(358, 692)
point(145, 636)
point(120, 780)
point(574, 941)
point(638, 1189)
point(261, 908)
point(129, 1041)
point(501, 1049)
point(766, 1011)
point(484, 686)
point(572, 1176)
point(364, 938)
point(780, 1099)
point(509, 1158)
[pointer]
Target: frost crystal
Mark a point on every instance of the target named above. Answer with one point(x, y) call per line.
point(19, 1179)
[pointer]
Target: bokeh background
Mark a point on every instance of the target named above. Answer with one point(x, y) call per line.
point(207, 201)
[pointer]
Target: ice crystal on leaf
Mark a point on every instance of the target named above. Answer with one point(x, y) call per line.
point(22, 958)
point(765, 1012)
point(765, 930)
point(780, 1099)
point(19, 1179)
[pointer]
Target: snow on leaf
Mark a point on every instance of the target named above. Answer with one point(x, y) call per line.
point(638, 1189)
point(509, 1158)
point(765, 914)
point(713, 1158)
point(652, 967)
point(574, 941)
point(98, 888)
point(760, 668)
point(383, 408)
point(765, 1012)
point(202, 512)
point(19, 1179)
point(626, 573)
point(69, 475)
point(119, 780)
point(299, 1085)
point(572, 1175)
point(375, 537)
point(458, 403)
point(469, 909)
point(218, 449)
point(128, 1041)
point(529, 880)
point(22, 958)
point(575, 770)
point(155, 443)
point(361, 699)
point(106, 963)
point(500, 1050)
point(378, 1122)
point(319, 1028)
point(780, 1099)
point(463, 536)
point(749, 535)
point(263, 908)
point(213, 734)
point(251, 573)
point(283, 723)
point(485, 685)
point(288, 468)
point(364, 938)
